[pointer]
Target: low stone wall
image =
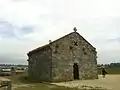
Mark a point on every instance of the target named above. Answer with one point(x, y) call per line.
point(5, 83)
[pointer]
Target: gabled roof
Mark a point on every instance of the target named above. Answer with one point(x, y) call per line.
point(37, 49)
point(47, 45)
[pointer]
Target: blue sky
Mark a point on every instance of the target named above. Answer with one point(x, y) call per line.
point(27, 24)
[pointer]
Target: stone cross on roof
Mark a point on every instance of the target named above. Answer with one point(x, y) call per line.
point(75, 29)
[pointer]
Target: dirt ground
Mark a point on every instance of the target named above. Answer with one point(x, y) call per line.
point(111, 82)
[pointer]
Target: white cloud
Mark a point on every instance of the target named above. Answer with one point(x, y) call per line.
point(96, 20)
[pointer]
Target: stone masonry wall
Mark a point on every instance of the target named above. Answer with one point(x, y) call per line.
point(40, 65)
point(69, 50)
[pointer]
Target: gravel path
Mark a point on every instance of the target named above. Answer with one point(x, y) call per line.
point(111, 82)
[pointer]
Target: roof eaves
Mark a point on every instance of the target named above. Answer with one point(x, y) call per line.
point(37, 49)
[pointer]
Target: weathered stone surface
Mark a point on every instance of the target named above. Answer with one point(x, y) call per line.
point(63, 60)
point(55, 62)
point(39, 68)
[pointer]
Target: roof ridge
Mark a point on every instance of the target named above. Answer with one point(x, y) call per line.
point(43, 46)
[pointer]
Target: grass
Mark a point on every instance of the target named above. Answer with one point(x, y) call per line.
point(41, 86)
point(113, 70)
point(21, 82)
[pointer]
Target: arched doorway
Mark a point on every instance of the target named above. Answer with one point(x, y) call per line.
point(75, 71)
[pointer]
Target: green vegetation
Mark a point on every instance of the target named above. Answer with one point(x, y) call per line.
point(21, 82)
point(113, 68)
